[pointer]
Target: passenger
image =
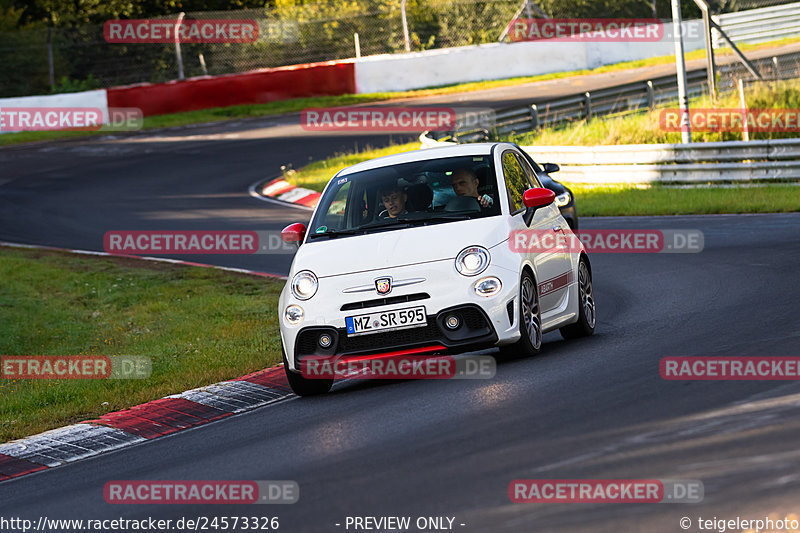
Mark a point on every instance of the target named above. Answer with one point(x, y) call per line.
point(465, 183)
point(394, 200)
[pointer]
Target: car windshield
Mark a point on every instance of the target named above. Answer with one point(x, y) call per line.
point(434, 191)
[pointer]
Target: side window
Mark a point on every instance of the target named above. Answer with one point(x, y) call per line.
point(334, 217)
point(516, 181)
point(529, 172)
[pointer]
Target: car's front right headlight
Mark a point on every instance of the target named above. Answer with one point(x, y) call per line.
point(304, 285)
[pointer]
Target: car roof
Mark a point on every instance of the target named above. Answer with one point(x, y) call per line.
point(454, 150)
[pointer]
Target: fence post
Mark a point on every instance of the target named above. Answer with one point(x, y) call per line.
point(743, 104)
point(406, 40)
point(203, 63)
point(534, 117)
point(358, 45)
point(775, 67)
point(587, 104)
point(651, 95)
point(178, 45)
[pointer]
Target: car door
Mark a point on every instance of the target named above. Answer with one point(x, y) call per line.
point(551, 271)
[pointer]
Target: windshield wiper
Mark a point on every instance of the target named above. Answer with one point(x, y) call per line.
point(333, 233)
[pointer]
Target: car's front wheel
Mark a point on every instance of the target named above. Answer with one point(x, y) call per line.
point(303, 386)
point(530, 320)
point(586, 306)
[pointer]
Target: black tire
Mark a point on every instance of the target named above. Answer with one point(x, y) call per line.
point(529, 316)
point(302, 386)
point(587, 313)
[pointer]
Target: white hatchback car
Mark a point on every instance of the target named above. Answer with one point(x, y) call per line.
point(410, 254)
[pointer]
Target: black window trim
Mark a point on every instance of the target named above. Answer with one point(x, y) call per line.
point(505, 182)
point(524, 161)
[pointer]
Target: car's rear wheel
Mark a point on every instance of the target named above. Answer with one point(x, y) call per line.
point(530, 320)
point(302, 386)
point(586, 306)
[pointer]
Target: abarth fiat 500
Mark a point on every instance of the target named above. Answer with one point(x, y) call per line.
point(413, 254)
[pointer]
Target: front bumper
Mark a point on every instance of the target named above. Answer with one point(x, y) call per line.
point(483, 321)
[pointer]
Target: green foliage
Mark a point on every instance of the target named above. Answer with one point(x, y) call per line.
point(66, 85)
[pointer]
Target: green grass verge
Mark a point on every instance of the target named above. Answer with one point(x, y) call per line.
point(624, 200)
point(298, 104)
point(197, 325)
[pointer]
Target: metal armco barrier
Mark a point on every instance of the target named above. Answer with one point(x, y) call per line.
point(731, 161)
point(759, 25)
point(618, 100)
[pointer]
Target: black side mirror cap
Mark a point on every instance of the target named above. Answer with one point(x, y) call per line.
point(549, 168)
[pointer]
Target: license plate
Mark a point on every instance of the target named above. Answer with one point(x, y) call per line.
point(411, 317)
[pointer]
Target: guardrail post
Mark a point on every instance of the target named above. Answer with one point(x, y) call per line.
point(651, 95)
point(587, 104)
point(534, 117)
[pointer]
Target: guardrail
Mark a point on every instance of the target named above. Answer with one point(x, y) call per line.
point(759, 25)
point(621, 99)
point(731, 161)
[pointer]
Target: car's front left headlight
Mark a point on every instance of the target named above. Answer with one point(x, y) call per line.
point(563, 199)
point(472, 261)
point(304, 285)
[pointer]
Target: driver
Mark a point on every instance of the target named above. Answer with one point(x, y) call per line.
point(465, 183)
point(394, 200)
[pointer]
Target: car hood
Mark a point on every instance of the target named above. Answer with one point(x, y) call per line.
point(396, 248)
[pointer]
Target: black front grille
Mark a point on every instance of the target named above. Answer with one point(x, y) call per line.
point(391, 300)
point(381, 341)
point(473, 318)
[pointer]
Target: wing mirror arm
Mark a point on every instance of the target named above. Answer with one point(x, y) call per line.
point(534, 199)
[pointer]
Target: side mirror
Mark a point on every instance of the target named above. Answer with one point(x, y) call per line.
point(549, 168)
point(294, 233)
point(534, 199)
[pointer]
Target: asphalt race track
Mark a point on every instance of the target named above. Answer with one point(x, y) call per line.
point(593, 408)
